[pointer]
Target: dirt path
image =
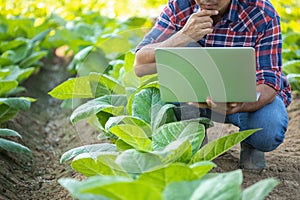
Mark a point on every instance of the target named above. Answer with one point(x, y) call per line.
point(46, 130)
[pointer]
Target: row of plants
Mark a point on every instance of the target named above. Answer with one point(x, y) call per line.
point(18, 61)
point(25, 41)
point(149, 154)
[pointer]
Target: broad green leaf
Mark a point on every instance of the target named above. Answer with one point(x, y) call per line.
point(113, 104)
point(73, 88)
point(4, 72)
point(260, 190)
point(9, 132)
point(99, 163)
point(13, 146)
point(20, 103)
point(179, 150)
point(114, 44)
point(6, 86)
point(126, 191)
point(172, 173)
point(202, 168)
point(217, 147)
point(191, 130)
point(93, 148)
point(129, 104)
point(135, 162)
point(18, 54)
point(100, 120)
point(145, 80)
point(12, 44)
point(181, 189)
point(146, 105)
point(41, 36)
point(16, 91)
point(162, 115)
point(70, 184)
point(225, 186)
point(7, 113)
point(129, 79)
point(108, 82)
point(117, 65)
point(99, 90)
point(32, 59)
point(19, 74)
point(122, 146)
point(129, 61)
point(132, 94)
point(132, 135)
point(152, 84)
point(98, 181)
point(125, 119)
point(80, 56)
point(5, 61)
point(95, 61)
point(74, 186)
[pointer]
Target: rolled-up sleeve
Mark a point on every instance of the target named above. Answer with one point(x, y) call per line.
point(164, 27)
point(269, 55)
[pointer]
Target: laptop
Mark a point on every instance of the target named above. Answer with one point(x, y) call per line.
point(191, 74)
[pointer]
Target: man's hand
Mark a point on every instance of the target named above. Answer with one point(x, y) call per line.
point(199, 24)
point(222, 108)
point(267, 95)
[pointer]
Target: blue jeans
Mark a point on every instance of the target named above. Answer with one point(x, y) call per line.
point(272, 118)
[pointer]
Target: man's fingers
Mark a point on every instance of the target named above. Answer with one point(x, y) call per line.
point(206, 25)
point(197, 104)
point(232, 105)
point(201, 19)
point(210, 103)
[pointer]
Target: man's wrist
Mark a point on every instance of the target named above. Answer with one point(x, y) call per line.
point(179, 39)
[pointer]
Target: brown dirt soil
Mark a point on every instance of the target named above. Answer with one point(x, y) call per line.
point(46, 130)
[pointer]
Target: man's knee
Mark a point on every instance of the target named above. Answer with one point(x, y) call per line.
point(273, 120)
point(269, 138)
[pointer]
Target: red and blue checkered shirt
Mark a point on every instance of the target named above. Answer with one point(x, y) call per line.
point(248, 23)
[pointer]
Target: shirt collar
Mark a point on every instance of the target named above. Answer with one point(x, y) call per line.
point(233, 11)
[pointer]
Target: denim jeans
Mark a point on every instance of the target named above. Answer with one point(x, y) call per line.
point(272, 118)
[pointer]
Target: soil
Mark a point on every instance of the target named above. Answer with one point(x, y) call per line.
point(47, 131)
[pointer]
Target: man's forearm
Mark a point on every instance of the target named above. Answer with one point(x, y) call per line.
point(267, 95)
point(145, 57)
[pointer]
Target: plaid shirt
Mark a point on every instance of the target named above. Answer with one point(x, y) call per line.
point(248, 23)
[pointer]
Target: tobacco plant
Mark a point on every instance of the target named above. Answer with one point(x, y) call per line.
point(150, 153)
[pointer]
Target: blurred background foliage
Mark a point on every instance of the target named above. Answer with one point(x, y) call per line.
point(40, 10)
point(70, 9)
